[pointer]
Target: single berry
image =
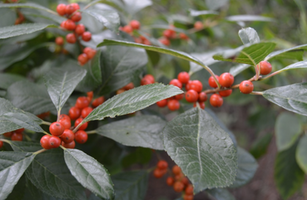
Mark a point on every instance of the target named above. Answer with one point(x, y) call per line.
point(74, 113)
point(225, 93)
point(90, 95)
point(1, 144)
point(147, 79)
point(135, 24)
point(76, 17)
point(82, 102)
point(127, 29)
point(56, 128)
point(173, 104)
point(69, 25)
point(82, 59)
point(76, 6)
point(226, 79)
point(83, 126)
point(158, 173)
point(216, 100)
point(176, 170)
point(246, 87)
point(80, 29)
point(183, 36)
point(196, 85)
point(176, 83)
point(170, 181)
point(67, 136)
point(65, 121)
point(16, 136)
point(86, 36)
point(168, 33)
point(70, 9)
point(178, 186)
point(98, 101)
point(191, 96)
point(81, 136)
point(54, 142)
point(185, 181)
point(162, 164)
point(165, 41)
point(162, 103)
point(70, 145)
point(61, 9)
point(202, 96)
point(188, 197)
point(89, 52)
point(179, 96)
point(86, 111)
point(198, 25)
point(71, 38)
point(19, 130)
point(129, 86)
point(189, 189)
point(183, 77)
point(265, 67)
point(59, 41)
point(212, 82)
point(45, 142)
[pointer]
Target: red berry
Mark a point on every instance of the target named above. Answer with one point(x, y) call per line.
point(135, 24)
point(226, 79)
point(45, 142)
point(162, 103)
point(183, 77)
point(158, 173)
point(129, 86)
point(178, 186)
point(59, 41)
point(74, 113)
point(1, 144)
point(191, 96)
point(82, 59)
point(176, 170)
point(188, 197)
point(81, 136)
point(19, 130)
point(189, 189)
point(216, 100)
point(69, 25)
point(70, 145)
point(76, 17)
point(162, 164)
point(179, 96)
point(173, 104)
point(90, 95)
point(16, 136)
point(212, 82)
point(147, 79)
point(68, 136)
point(183, 36)
point(65, 121)
point(168, 33)
point(80, 29)
point(8, 134)
point(170, 181)
point(98, 101)
point(78, 121)
point(265, 67)
point(54, 142)
point(127, 29)
point(56, 128)
point(246, 87)
point(69, 9)
point(82, 102)
point(198, 25)
point(71, 38)
point(61, 9)
point(76, 6)
point(86, 36)
point(165, 41)
point(86, 111)
point(89, 52)
point(196, 85)
point(176, 82)
point(225, 93)
point(202, 96)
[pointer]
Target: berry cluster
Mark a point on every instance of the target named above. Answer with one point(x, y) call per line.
point(15, 135)
point(170, 34)
point(73, 16)
point(135, 25)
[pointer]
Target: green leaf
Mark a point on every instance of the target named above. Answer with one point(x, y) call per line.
point(175, 53)
point(8, 17)
point(23, 146)
point(89, 172)
point(246, 54)
point(260, 146)
point(118, 66)
point(238, 69)
point(202, 149)
point(287, 135)
point(49, 173)
point(220, 194)
point(297, 65)
point(301, 153)
point(21, 29)
point(195, 13)
point(133, 100)
point(214, 5)
point(133, 6)
point(30, 97)
point(288, 175)
point(92, 78)
point(108, 18)
point(247, 166)
point(61, 83)
point(205, 57)
point(12, 118)
point(7, 79)
point(290, 97)
point(141, 131)
point(138, 156)
point(12, 167)
point(130, 185)
point(291, 53)
point(245, 18)
point(249, 35)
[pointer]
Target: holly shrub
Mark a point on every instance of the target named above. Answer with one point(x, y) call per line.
point(89, 89)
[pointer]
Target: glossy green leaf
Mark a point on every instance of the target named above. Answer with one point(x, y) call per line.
point(290, 97)
point(195, 13)
point(49, 173)
point(133, 100)
point(245, 18)
point(7, 79)
point(30, 97)
point(202, 149)
point(141, 131)
point(247, 166)
point(138, 156)
point(8, 17)
point(301, 152)
point(108, 18)
point(293, 52)
point(21, 29)
point(12, 167)
point(89, 172)
point(133, 6)
point(238, 69)
point(214, 4)
point(92, 78)
point(19, 190)
point(220, 194)
point(22, 146)
point(288, 175)
point(12, 118)
point(205, 57)
point(260, 146)
point(119, 66)
point(249, 35)
point(130, 185)
point(61, 83)
point(246, 54)
point(287, 135)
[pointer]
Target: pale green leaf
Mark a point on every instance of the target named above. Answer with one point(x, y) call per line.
point(220, 194)
point(195, 13)
point(245, 18)
point(249, 35)
point(301, 152)
point(293, 52)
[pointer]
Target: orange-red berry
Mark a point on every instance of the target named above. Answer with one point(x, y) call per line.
point(67, 136)
point(191, 96)
point(76, 17)
point(178, 186)
point(198, 25)
point(265, 67)
point(183, 77)
point(225, 93)
point(135, 24)
point(65, 121)
point(173, 104)
point(212, 82)
point(44, 141)
point(195, 85)
point(82, 102)
point(162, 164)
point(81, 136)
point(83, 126)
point(216, 100)
point(226, 79)
point(165, 41)
point(61, 9)
point(74, 113)
point(176, 82)
point(82, 59)
point(202, 96)
point(246, 87)
point(98, 101)
point(162, 103)
point(71, 38)
point(56, 128)
point(70, 145)
point(170, 181)
point(176, 170)
point(80, 29)
point(86, 111)
point(59, 41)
point(16, 136)
point(69, 9)
point(86, 36)
point(54, 142)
